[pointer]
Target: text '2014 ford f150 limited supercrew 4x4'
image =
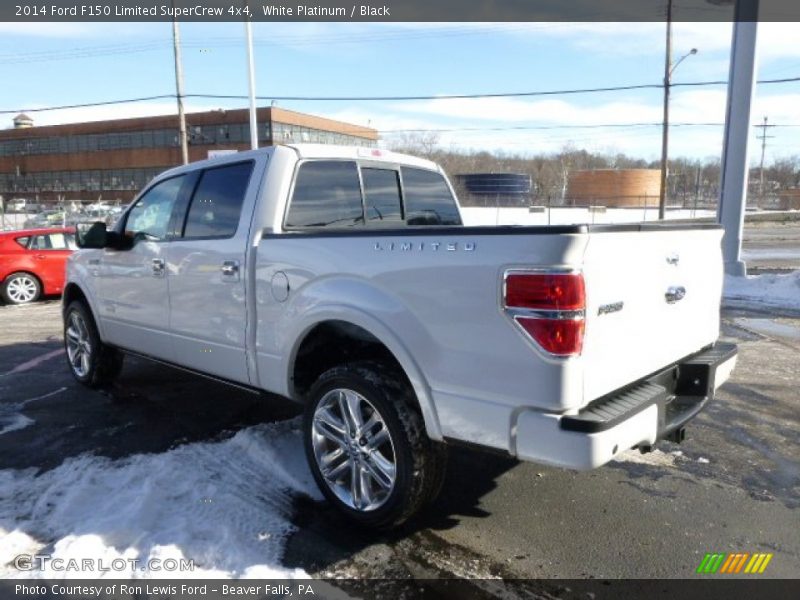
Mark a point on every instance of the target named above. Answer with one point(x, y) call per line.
point(344, 279)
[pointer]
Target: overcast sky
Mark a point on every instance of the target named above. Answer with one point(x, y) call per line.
point(54, 64)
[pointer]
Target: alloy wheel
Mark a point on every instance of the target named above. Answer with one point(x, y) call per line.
point(21, 289)
point(353, 449)
point(79, 346)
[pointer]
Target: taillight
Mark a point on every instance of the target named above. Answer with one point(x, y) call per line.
point(549, 307)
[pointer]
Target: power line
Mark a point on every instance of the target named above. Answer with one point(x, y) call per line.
point(88, 104)
point(400, 98)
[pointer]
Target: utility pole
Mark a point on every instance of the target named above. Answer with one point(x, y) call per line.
point(251, 81)
point(763, 137)
point(176, 47)
point(662, 196)
point(741, 87)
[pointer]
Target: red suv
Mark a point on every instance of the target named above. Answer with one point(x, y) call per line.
point(32, 262)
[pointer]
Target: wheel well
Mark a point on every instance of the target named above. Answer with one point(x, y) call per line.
point(334, 343)
point(71, 293)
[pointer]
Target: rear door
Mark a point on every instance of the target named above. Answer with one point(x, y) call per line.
point(207, 271)
point(652, 298)
point(49, 252)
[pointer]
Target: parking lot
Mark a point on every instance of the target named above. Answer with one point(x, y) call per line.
point(157, 458)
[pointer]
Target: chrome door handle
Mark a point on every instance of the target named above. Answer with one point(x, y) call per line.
point(158, 266)
point(230, 268)
point(675, 293)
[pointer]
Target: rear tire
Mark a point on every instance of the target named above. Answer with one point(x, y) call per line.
point(367, 447)
point(21, 288)
point(91, 362)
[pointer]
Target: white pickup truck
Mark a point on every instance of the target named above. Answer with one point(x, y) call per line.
point(344, 279)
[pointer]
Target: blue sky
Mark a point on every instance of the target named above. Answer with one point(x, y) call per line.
point(54, 64)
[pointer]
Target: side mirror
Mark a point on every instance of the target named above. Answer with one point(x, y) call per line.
point(91, 235)
point(97, 235)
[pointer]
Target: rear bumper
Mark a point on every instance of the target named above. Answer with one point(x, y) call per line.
point(655, 408)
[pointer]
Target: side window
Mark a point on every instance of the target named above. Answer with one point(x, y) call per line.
point(58, 241)
point(428, 199)
point(382, 195)
point(327, 193)
point(23, 241)
point(149, 218)
point(41, 242)
point(217, 202)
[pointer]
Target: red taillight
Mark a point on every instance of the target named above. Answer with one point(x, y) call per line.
point(562, 337)
point(549, 307)
point(545, 291)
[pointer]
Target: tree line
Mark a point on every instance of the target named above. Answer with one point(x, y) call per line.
point(690, 182)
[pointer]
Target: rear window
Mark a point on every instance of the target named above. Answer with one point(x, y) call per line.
point(382, 195)
point(217, 201)
point(326, 194)
point(428, 199)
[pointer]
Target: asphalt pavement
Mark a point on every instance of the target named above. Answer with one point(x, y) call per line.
point(732, 486)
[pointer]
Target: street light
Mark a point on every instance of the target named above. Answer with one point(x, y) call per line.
point(669, 69)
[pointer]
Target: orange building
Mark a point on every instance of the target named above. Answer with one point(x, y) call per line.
point(614, 187)
point(113, 160)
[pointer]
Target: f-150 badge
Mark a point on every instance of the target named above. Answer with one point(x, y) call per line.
point(605, 309)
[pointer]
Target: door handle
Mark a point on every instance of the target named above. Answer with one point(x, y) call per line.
point(674, 294)
point(158, 266)
point(230, 268)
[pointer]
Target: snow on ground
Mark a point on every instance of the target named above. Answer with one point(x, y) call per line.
point(764, 291)
point(225, 505)
point(11, 419)
point(475, 215)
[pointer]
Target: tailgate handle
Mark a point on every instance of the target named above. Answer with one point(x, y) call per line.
point(675, 293)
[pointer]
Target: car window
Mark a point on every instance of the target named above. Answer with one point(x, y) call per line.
point(53, 241)
point(40, 242)
point(428, 198)
point(382, 195)
point(23, 241)
point(150, 216)
point(217, 202)
point(326, 194)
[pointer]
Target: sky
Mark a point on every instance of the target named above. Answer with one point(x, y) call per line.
point(45, 65)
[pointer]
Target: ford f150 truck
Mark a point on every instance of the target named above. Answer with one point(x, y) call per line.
point(343, 278)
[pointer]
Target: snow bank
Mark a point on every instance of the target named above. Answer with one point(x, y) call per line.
point(764, 291)
point(225, 505)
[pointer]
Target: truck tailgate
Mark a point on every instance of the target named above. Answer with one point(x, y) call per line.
point(652, 298)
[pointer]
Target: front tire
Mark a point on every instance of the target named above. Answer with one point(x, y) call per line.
point(91, 362)
point(21, 288)
point(367, 447)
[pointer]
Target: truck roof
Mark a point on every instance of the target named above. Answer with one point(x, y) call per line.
point(331, 151)
point(361, 153)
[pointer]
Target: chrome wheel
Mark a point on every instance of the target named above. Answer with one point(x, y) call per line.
point(22, 289)
point(353, 449)
point(79, 347)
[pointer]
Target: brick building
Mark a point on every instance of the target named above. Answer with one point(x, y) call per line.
point(113, 160)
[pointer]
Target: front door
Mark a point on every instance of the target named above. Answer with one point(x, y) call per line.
point(134, 286)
